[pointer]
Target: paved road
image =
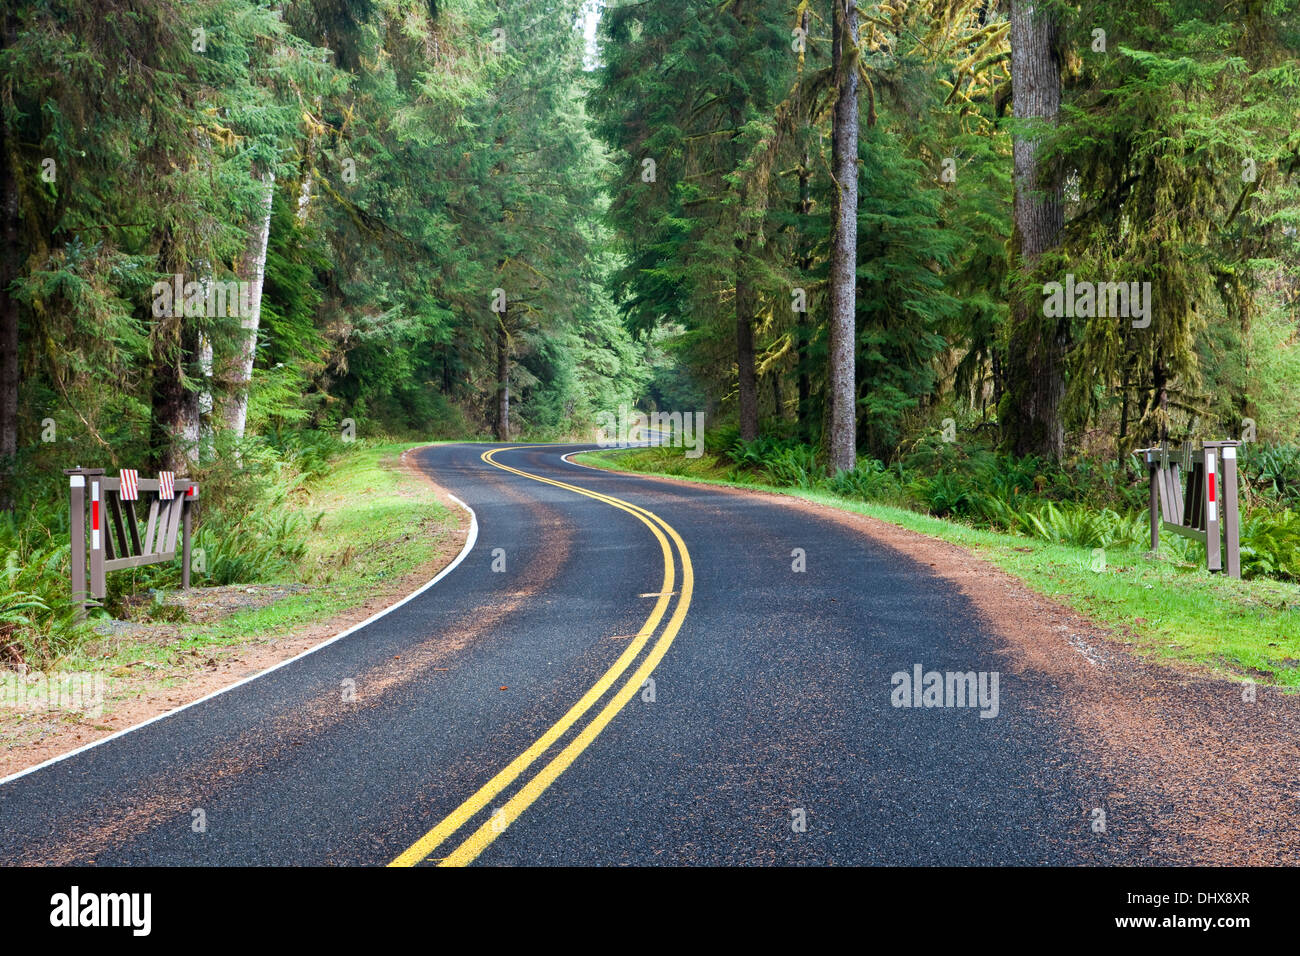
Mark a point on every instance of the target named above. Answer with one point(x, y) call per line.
point(551, 701)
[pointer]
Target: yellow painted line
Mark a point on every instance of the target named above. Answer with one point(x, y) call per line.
point(425, 846)
point(534, 788)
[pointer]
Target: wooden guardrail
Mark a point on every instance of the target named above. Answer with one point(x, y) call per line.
point(1189, 497)
point(111, 540)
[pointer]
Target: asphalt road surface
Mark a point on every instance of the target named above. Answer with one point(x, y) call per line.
point(619, 671)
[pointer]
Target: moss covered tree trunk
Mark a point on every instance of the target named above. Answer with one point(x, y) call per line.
point(1031, 412)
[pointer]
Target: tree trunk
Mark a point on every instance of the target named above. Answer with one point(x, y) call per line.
point(503, 380)
point(308, 164)
point(842, 433)
point(1160, 397)
point(803, 336)
point(10, 262)
point(1036, 345)
point(175, 410)
point(745, 350)
point(253, 271)
point(803, 327)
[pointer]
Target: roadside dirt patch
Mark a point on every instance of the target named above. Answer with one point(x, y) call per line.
point(1212, 773)
point(196, 606)
point(139, 690)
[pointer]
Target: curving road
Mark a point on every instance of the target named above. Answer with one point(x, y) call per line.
point(620, 671)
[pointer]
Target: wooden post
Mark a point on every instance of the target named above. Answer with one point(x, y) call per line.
point(1210, 497)
point(1231, 518)
point(77, 529)
point(98, 588)
point(187, 523)
point(1153, 467)
point(1229, 514)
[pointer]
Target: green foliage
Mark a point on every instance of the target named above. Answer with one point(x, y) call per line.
point(870, 480)
point(38, 621)
point(1180, 141)
point(781, 461)
point(1085, 528)
point(1272, 470)
point(1270, 545)
point(253, 547)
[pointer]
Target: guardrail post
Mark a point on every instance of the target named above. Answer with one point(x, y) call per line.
point(1210, 502)
point(77, 528)
point(1153, 471)
point(186, 525)
point(98, 587)
point(1229, 512)
point(1231, 518)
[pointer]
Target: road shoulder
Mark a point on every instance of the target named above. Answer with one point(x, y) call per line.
point(1193, 763)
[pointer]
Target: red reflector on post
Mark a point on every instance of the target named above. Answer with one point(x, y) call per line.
point(1212, 477)
point(94, 515)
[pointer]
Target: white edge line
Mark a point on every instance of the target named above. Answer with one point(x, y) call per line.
point(469, 545)
point(577, 464)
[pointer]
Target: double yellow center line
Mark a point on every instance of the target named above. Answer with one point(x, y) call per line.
point(535, 786)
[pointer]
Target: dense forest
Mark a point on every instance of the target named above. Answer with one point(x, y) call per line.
point(987, 236)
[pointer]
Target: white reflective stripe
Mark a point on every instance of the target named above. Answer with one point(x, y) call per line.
point(78, 481)
point(1229, 453)
point(94, 491)
point(94, 540)
point(1213, 508)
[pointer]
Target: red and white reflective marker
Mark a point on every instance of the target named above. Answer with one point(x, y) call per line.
point(1211, 505)
point(166, 485)
point(130, 490)
point(94, 516)
point(194, 490)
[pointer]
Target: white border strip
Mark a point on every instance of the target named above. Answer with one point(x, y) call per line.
point(568, 459)
point(469, 545)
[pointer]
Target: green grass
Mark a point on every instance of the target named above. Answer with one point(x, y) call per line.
point(1166, 608)
point(379, 523)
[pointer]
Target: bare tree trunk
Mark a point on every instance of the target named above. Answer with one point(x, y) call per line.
point(10, 260)
point(842, 433)
point(1036, 347)
point(503, 380)
point(253, 271)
